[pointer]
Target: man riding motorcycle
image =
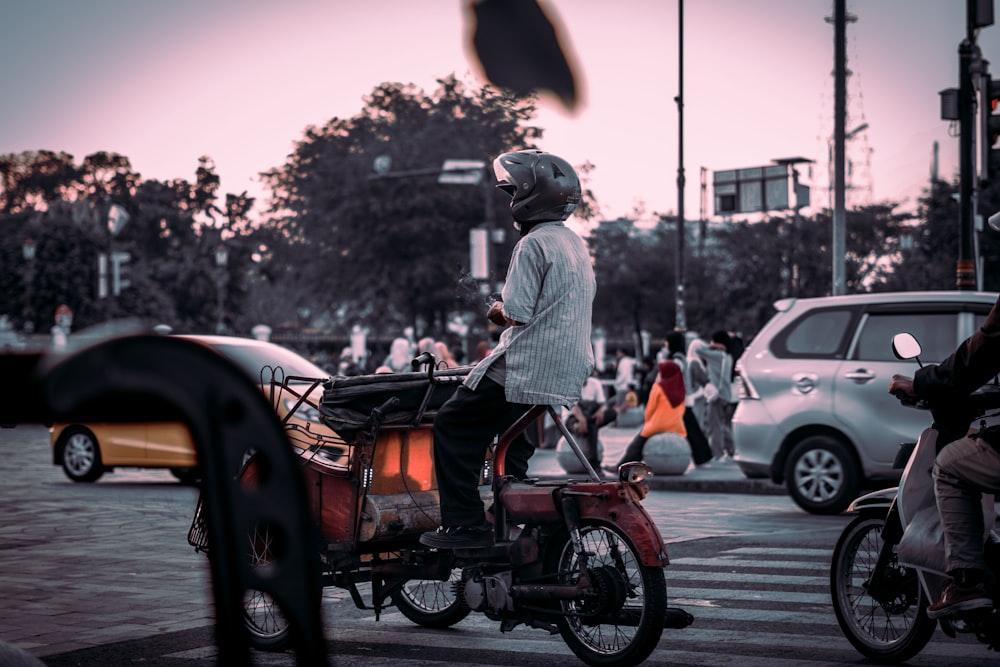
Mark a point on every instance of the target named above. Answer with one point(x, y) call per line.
point(965, 468)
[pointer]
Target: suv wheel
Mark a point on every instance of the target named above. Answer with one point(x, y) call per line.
point(821, 475)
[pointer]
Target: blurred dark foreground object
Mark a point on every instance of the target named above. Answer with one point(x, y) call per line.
point(155, 378)
point(519, 49)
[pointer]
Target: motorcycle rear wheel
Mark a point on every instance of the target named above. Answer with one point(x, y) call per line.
point(432, 604)
point(624, 624)
point(892, 631)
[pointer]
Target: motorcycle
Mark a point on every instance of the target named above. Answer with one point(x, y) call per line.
point(889, 563)
point(577, 557)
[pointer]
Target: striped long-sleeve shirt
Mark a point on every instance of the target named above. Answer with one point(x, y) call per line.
point(550, 291)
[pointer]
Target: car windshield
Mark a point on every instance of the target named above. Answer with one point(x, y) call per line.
point(253, 359)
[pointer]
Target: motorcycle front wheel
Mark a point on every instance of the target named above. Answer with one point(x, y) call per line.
point(893, 630)
point(432, 604)
point(622, 622)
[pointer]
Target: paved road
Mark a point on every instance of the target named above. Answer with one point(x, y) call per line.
point(101, 574)
point(760, 602)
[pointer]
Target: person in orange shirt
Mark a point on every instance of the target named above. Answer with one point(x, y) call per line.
point(664, 411)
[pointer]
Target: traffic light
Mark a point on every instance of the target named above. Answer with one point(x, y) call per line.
point(990, 163)
point(119, 272)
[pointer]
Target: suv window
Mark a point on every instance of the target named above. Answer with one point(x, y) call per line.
point(937, 333)
point(817, 334)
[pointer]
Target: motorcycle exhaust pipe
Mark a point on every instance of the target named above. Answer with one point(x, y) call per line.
point(438, 569)
point(547, 592)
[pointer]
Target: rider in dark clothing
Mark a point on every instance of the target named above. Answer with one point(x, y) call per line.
point(965, 468)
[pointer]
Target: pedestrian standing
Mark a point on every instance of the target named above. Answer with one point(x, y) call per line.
point(625, 380)
point(719, 365)
point(701, 452)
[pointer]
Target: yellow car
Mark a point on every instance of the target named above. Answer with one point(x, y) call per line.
point(88, 450)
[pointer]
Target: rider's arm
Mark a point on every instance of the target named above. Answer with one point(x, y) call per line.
point(971, 366)
point(525, 277)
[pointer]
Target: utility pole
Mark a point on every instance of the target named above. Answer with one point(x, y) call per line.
point(968, 67)
point(680, 320)
point(839, 141)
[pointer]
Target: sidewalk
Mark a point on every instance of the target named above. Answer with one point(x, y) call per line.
point(715, 477)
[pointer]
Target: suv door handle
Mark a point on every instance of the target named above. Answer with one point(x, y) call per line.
point(860, 376)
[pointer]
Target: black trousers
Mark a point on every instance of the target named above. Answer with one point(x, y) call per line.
point(634, 450)
point(590, 441)
point(463, 431)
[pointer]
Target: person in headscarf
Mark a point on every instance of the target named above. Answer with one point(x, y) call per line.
point(347, 366)
point(400, 356)
point(483, 349)
point(664, 411)
point(718, 422)
point(444, 356)
point(697, 375)
point(426, 344)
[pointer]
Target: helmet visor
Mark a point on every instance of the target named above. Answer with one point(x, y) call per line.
point(505, 181)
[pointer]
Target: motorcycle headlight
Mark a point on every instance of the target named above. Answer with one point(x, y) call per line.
point(636, 472)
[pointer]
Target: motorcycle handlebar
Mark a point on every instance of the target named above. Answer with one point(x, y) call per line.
point(983, 399)
point(421, 359)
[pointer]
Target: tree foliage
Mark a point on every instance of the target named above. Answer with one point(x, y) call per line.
point(349, 245)
point(392, 250)
point(171, 234)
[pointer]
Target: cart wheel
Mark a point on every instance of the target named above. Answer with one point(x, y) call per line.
point(269, 629)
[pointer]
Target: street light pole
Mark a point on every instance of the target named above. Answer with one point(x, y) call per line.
point(680, 320)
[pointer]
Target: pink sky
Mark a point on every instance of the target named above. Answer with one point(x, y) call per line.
point(239, 80)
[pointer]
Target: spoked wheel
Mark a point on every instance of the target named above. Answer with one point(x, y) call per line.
point(622, 622)
point(892, 628)
point(269, 629)
point(432, 604)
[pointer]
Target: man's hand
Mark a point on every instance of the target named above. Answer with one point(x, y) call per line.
point(495, 314)
point(901, 383)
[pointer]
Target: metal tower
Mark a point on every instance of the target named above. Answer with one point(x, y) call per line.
point(858, 181)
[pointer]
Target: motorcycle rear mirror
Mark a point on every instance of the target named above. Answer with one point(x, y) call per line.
point(994, 221)
point(905, 346)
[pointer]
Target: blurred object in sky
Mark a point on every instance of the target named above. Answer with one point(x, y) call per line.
point(520, 49)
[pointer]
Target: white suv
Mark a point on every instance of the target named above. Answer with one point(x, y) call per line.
point(815, 412)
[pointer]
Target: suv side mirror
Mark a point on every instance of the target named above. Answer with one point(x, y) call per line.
point(905, 346)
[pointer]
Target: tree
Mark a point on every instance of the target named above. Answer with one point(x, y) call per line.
point(392, 251)
point(64, 208)
point(747, 276)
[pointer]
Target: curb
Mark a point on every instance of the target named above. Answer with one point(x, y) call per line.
point(764, 487)
point(713, 478)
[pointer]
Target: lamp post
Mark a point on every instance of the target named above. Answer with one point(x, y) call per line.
point(221, 261)
point(680, 317)
point(28, 251)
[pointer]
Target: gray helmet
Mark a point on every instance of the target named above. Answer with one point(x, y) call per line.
point(543, 186)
